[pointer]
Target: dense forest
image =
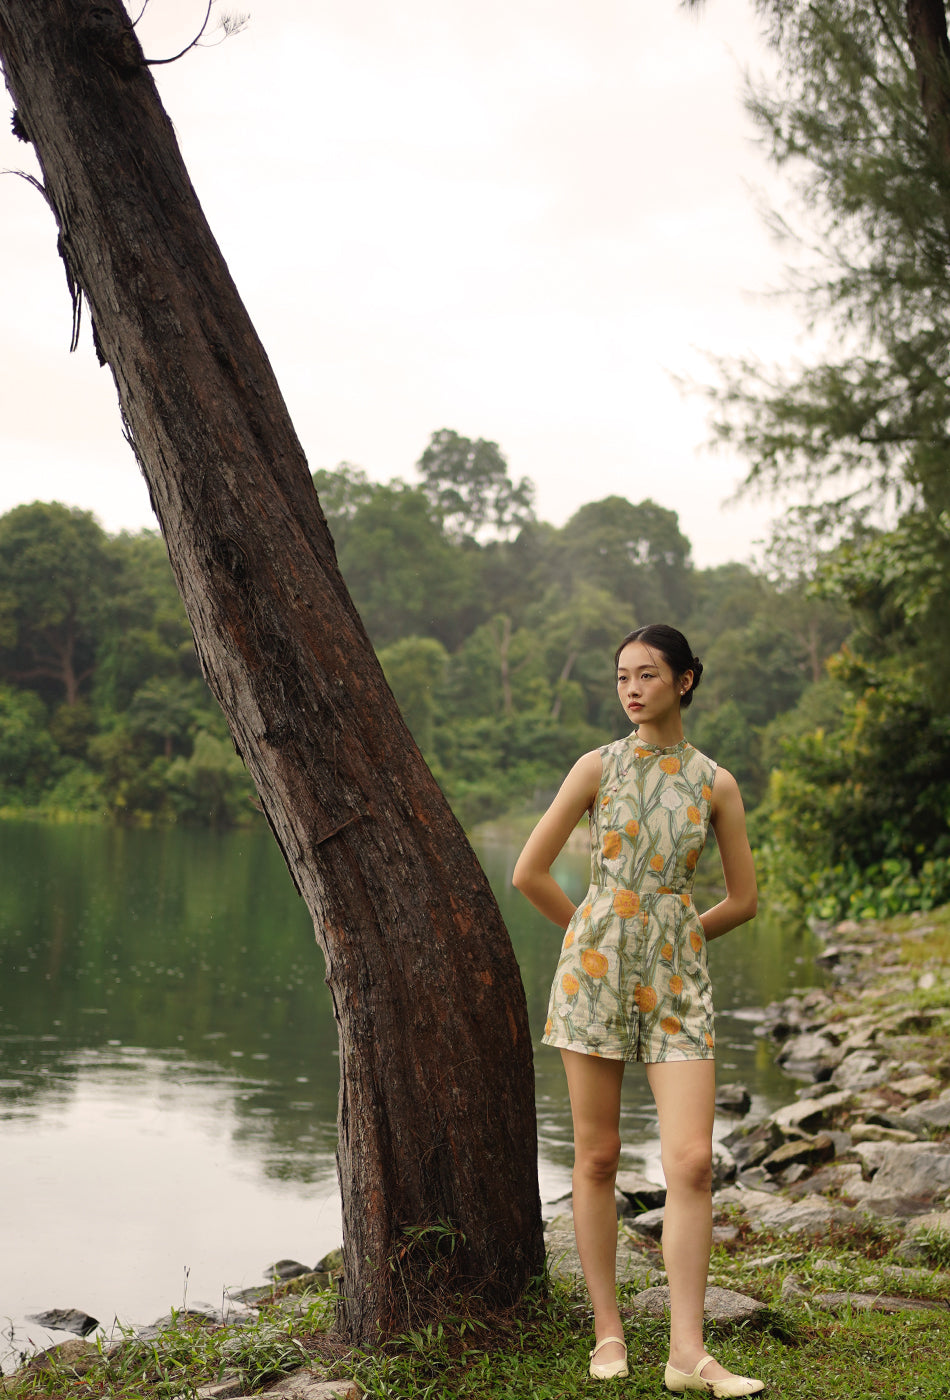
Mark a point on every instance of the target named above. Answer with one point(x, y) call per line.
point(827, 666)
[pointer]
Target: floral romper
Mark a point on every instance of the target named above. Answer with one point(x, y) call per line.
point(632, 981)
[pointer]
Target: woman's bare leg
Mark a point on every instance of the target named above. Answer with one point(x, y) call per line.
point(594, 1086)
point(685, 1094)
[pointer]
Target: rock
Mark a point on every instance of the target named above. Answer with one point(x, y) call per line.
point(724, 1165)
point(875, 1132)
point(286, 1269)
point(772, 1261)
point(733, 1098)
point(649, 1223)
point(229, 1387)
point(331, 1263)
point(936, 1113)
point(911, 1022)
point(861, 1070)
point(639, 1191)
point(809, 1113)
point(720, 1305)
point(67, 1320)
point(75, 1354)
point(809, 1056)
point(809, 1152)
point(934, 1220)
point(632, 1265)
point(167, 1320)
point(311, 1385)
point(872, 1302)
point(918, 1170)
point(792, 1288)
point(916, 1086)
point(749, 1146)
point(804, 1216)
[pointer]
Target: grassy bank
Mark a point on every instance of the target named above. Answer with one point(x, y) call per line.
point(818, 1337)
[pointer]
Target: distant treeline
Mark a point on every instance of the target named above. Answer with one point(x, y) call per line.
point(496, 633)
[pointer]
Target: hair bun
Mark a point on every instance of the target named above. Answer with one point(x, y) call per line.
point(697, 669)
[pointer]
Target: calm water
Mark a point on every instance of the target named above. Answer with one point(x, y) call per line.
point(168, 1064)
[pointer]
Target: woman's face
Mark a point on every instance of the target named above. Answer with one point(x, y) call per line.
point(646, 685)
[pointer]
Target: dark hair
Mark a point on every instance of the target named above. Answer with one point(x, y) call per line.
point(673, 647)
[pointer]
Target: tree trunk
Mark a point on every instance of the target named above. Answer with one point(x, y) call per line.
point(437, 1141)
point(930, 45)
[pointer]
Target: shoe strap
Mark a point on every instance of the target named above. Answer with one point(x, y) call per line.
point(620, 1342)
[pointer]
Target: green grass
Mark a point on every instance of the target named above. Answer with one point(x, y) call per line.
point(539, 1351)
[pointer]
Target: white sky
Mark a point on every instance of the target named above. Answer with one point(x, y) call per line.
point(518, 220)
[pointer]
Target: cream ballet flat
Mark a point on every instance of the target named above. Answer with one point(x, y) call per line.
point(692, 1380)
point(609, 1370)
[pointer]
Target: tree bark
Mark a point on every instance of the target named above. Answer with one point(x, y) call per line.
point(930, 45)
point(437, 1140)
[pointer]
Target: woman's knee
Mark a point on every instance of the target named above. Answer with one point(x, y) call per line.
point(598, 1160)
point(689, 1166)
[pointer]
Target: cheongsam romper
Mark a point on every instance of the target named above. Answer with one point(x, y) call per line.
point(632, 982)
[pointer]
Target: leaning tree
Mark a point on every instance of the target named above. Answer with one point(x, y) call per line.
point(437, 1139)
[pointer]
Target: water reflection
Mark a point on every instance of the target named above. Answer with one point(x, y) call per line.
point(169, 1061)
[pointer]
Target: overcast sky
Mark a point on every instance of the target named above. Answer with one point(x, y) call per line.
point(518, 220)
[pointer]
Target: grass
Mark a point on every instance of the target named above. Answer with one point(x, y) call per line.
point(539, 1350)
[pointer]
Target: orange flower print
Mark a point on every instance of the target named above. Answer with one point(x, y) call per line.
point(632, 829)
point(670, 765)
point(709, 1041)
point(626, 903)
point(641, 753)
point(670, 1025)
point(594, 963)
point(569, 938)
point(645, 998)
point(666, 951)
point(587, 911)
point(695, 941)
point(676, 985)
point(665, 889)
point(656, 862)
point(685, 900)
point(691, 858)
point(570, 984)
point(612, 845)
point(707, 792)
point(548, 1026)
point(694, 814)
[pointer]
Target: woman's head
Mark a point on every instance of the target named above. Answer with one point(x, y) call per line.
point(674, 649)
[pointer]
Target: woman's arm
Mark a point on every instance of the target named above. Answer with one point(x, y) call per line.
point(532, 874)
point(728, 822)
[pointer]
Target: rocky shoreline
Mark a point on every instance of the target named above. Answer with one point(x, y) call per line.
point(866, 1135)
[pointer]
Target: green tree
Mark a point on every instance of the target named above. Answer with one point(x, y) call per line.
point(415, 668)
point(637, 553)
point(27, 752)
point(468, 485)
point(57, 585)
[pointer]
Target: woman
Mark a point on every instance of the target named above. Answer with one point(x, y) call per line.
point(632, 983)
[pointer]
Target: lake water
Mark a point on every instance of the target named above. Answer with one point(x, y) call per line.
point(169, 1064)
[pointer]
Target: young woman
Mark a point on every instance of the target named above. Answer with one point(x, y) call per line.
point(632, 983)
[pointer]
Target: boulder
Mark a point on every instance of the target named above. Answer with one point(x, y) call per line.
point(563, 1260)
point(810, 1113)
point(649, 1223)
point(916, 1086)
point(872, 1302)
point(286, 1269)
point(808, 1152)
point(311, 1385)
point(809, 1056)
point(720, 1305)
point(861, 1070)
point(229, 1387)
point(66, 1320)
point(805, 1216)
point(639, 1191)
point(733, 1098)
point(935, 1113)
point(918, 1170)
point(76, 1354)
